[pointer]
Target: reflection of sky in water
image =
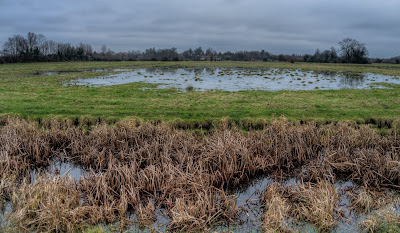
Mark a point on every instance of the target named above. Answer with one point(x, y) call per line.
point(237, 79)
point(59, 168)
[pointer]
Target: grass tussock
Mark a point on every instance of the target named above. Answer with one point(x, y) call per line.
point(52, 204)
point(188, 174)
point(276, 209)
point(309, 202)
point(366, 200)
point(199, 212)
point(146, 214)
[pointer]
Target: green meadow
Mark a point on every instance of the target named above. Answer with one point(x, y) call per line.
point(25, 93)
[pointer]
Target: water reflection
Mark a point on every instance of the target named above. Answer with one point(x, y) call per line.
point(58, 167)
point(239, 79)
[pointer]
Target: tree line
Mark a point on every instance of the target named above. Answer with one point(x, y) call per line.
point(36, 48)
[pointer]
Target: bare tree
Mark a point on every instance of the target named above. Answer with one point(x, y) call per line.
point(32, 41)
point(10, 47)
point(104, 49)
point(353, 51)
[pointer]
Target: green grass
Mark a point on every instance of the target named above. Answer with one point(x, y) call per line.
point(390, 228)
point(34, 96)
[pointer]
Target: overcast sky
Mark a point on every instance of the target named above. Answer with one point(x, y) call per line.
point(277, 26)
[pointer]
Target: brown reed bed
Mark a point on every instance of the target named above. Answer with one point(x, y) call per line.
point(52, 204)
point(139, 168)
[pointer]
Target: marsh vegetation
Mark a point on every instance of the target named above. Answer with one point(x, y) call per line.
point(189, 177)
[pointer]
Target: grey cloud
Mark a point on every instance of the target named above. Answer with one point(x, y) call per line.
point(278, 26)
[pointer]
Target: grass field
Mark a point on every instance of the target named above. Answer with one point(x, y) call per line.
point(132, 173)
point(36, 96)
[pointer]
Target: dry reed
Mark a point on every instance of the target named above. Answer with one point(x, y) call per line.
point(276, 210)
point(188, 174)
point(315, 203)
point(52, 204)
point(365, 200)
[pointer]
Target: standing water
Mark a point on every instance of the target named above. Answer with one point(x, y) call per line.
point(240, 79)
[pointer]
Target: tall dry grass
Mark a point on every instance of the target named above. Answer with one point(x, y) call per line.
point(277, 209)
point(189, 174)
point(309, 202)
point(52, 204)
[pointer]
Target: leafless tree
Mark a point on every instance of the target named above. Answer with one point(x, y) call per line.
point(353, 51)
point(104, 49)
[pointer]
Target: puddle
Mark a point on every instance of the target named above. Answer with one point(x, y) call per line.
point(240, 79)
point(248, 198)
point(61, 168)
point(160, 225)
point(3, 213)
point(50, 73)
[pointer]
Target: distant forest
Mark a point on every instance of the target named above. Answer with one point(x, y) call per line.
point(36, 48)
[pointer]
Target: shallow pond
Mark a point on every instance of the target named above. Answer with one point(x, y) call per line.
point(240, 79)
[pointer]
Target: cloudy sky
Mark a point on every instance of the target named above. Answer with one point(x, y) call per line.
point(277, 26)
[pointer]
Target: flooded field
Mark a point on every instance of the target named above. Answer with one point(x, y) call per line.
point(240, 79)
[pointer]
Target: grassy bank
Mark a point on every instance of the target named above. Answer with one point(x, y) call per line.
point(35, 96)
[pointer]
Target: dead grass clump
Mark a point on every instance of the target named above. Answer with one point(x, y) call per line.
point(22, 139)
point(285, 146)
point(12, 173)
point(315, 203)
point(226, 157)
point(320, 168)
point(52, 204)
point(107, 192)
point(372, 168)
point(276, 209)
point(202, 210)
point(365, 200)
point(146, 214)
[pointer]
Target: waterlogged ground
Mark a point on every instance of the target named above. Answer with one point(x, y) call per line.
point(240, 79)
point(248, 200)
